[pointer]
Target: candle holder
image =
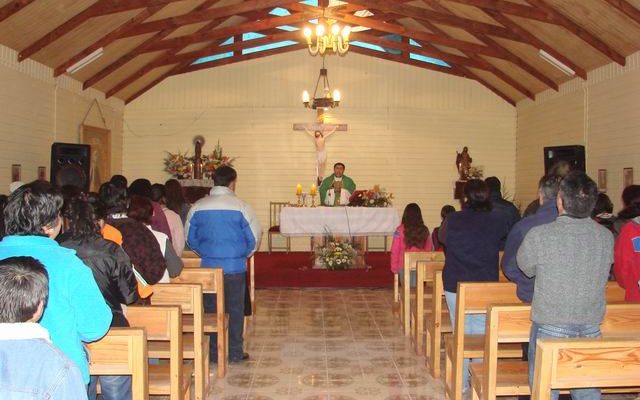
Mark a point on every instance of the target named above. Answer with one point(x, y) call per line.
point(313, 200)
point(304, 199)
point(299, 199)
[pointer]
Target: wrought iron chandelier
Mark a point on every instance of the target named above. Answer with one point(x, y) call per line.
point(327, 99)
point(330, 38)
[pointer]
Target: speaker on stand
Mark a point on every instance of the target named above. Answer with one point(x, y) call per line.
point(70, 165)
point(574, 155)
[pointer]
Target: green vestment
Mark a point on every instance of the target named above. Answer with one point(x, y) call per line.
point(327, 183)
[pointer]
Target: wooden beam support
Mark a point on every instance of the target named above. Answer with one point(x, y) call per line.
point(507, 7)
point(13, 7)
point(624, 7)
point(106, 71)
point(206, 15)
point(580, 32)
point(253, 26)
point(532, 40)
point(419, 35)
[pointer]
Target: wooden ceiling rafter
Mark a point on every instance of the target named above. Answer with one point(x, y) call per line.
point(588, 37)
point(12, 8)
point(207, 15)
point(508, 7)
point(627, 9)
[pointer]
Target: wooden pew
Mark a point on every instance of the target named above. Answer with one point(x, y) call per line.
point(586, 363)
point(473, 298)
point(190, 262)
point(410, 260)
point(164, 324)
point(212, 282)
point(512, 324)
point(423, 310)
point(189, 254)
point(123, 351)
point(195, 344)
point(436, 326)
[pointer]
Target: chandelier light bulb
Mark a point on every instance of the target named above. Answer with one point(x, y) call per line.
point(336, 95)
point(320, 30)
point(307, 32)
point(335, 29)
point(346, 31)
point(305, 97)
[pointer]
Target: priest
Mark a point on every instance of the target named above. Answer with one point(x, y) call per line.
point(336, 189)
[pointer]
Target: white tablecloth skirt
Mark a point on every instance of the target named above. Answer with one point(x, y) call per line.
point(345, 221)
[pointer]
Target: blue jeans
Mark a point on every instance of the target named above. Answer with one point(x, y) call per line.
point(235, 286)
point(113, 387)
point(473, 325)
point(562, 331)
point(413, 277)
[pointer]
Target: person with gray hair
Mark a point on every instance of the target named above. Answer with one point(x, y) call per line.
point(30, 363)
point(570, 258)
point(548, 212)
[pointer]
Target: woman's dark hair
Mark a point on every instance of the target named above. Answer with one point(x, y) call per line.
point(99, 208)
point(140, 187)
point(140, 209)
point(24, 284)
point(81, 219)
point(631, 200)
point(70, 192)
point(30, 209)
point(603, 205)
point(120, 181)
point(114, 198)
point(446, 210)
point(477, 194)
point(173, 196)
point(157, 192)
point(415, 231)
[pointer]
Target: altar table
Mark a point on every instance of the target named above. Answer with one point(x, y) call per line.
point(343, 221)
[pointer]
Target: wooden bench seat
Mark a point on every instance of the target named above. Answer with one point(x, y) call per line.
point(411, 259)
point(436, 327)
point(159, 385)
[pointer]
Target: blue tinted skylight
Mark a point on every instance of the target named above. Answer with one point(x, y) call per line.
point(367, 46)
point(228, 41)
point(395, 38)
point(429, 60)
point(269, 46)
point(414, 43)
point(251, 36)
point(213, 58)
point(279, 11)
point(288, 28)
point(310, 2)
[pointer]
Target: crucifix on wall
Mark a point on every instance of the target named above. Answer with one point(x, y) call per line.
point(319, 132)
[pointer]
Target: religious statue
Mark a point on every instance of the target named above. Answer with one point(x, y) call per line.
point(198, 141)
point(463, 162)
point(319, 138)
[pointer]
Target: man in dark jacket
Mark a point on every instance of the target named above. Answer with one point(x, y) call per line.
point(506, 209)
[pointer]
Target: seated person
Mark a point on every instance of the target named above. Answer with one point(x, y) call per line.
point(411, 235)
point(30, 363)
point(336, 189)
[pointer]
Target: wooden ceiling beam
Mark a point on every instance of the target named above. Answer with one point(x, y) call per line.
point(414, 34)
point(533, 41)
point(424, 14)
point(12, 8)
point(251, 26)
point(507, 7)
point(624, 7)
point(511, 57)
point(206, 15)
point(580, 32)
point(106, 71)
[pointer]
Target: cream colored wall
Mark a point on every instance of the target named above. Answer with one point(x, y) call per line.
point(600, 113)
point(405, 125)
point(37, 110)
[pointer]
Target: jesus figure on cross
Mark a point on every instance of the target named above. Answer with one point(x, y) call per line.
point(319, 138)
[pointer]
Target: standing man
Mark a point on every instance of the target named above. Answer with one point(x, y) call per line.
point(336, 189)
point(570, 258)
point(225, 231)
point(501, 206)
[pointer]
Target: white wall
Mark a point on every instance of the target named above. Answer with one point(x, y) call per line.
point(405, 125)
point(600, 113)
point(37, 110)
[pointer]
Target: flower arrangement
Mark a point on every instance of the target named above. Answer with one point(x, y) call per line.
point(476, 172)
point(375, 197)
point(336, 255)
point(178, 165)
point(211, 162)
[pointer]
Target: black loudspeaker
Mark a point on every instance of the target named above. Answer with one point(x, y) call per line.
point(574, 155)
point(70, 165)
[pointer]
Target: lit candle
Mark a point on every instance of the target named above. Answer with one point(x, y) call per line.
point(298, 189)
point(312, 191)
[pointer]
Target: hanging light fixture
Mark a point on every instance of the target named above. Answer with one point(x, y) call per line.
point(331, 38)
point(327, 99)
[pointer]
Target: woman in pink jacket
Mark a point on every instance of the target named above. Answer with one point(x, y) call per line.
point(411, 235)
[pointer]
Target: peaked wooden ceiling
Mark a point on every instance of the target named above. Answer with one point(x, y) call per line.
point(495, 42)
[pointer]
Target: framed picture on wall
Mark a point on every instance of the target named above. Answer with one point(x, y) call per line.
point(627, 177)
point(602, 180)
point(16, 172)
point(42, 173)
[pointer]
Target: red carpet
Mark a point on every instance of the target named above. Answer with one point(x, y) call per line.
point(280, 269)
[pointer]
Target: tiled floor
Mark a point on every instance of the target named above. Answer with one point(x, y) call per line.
point(327, 344)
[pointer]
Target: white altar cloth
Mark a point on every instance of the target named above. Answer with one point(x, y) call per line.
point(345, 221)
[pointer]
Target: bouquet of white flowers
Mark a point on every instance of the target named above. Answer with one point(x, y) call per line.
point(336, 254)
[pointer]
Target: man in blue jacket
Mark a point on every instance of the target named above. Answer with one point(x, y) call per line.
point(76, 311)
point(225, 231)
